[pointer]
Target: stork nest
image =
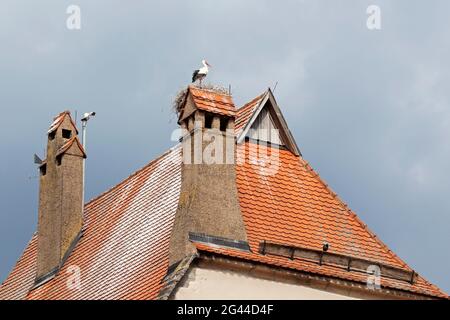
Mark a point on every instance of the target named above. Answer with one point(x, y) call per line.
point(180, 97)
point(178, 101)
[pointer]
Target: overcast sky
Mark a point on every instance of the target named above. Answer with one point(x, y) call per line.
point(369, 108)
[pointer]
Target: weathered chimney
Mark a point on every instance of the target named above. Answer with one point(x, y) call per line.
point(208, 203)
point(60, 196)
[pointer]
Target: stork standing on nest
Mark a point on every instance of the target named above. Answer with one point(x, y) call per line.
point(201, 73)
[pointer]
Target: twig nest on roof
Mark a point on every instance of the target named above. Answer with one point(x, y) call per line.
point(178, 101)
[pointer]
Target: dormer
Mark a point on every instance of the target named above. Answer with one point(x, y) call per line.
point(267, 125)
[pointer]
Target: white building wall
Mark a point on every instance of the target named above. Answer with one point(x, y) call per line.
point(205, 284)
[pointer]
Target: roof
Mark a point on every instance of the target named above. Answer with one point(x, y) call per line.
point(294, 206)
point(59, 119)
point(245, 112)
point(124, 245)
point(66, 146)
point(123, 251)
point(18, 283)
point(213, 101)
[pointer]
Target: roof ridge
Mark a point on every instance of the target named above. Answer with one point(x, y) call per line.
point(61, 114)
point(252, 101)
point(344, 205)
point(212, 90)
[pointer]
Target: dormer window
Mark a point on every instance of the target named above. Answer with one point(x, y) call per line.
point(66, 134)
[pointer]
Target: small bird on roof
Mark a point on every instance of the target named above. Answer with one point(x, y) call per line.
point(201, 73)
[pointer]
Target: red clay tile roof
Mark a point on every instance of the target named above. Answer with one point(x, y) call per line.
point(246, 111)
point(123, 253)
point(292, 205)
point(213, 101)
point(18, 283)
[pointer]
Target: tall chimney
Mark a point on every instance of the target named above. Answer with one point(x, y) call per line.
point(208, 203)
point(60, 196)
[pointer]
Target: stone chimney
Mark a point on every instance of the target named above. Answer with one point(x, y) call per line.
point(209, 203)
point(60, 196)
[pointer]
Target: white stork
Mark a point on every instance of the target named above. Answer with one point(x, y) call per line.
point(201, 73)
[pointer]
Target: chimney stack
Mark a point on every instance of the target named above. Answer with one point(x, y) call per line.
point(209, 203)
point(60, 196)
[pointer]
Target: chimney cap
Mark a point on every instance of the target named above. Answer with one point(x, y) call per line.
point(59, 119)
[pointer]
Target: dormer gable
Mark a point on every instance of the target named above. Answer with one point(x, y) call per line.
point(267, 125)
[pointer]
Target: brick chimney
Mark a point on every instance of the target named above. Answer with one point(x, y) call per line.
point(208, 203)
point(60, 196)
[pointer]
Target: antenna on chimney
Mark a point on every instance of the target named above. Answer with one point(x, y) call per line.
point(84, 121)
point(274, 87)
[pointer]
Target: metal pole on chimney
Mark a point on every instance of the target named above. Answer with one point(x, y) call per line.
point(84, 121)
